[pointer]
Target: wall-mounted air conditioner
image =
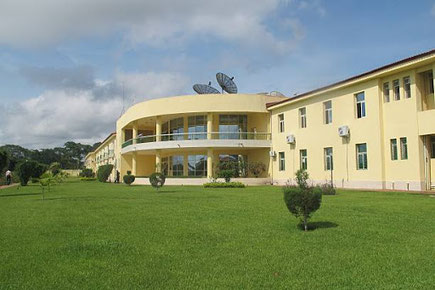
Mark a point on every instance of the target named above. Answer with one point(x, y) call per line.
point(344, 131)
point(272, 153)
point(291, 139)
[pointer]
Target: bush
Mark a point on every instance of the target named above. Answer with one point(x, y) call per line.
point(257, 168)
point(157, 180)
point(34, 180)
point(227, 174)
point(103, 172)
point(88, 179)
point(238, 168)
point(302, 202)
point(327, 189)
point(129, 179)
point(28, 169)
point(55, 168)
point(87, 172)
point(224, 185)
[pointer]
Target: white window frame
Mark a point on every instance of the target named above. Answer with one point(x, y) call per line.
point(386, 91)
point(393, 149)
point(363, 155)
point(396, 89)
point(403, 148)
point(328, 158)
point(407, 87)
point(360, 106)
point(303, 159)
point(281, 125)
point(327, 115)
point(281, 158)
point(303, 117)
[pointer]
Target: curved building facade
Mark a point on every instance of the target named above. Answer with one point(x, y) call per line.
point(186, 136)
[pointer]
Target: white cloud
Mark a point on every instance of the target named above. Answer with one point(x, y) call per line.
point(82, 115)
point(163, 22)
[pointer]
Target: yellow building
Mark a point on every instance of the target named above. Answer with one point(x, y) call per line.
point(102, 155)
point(374, 130)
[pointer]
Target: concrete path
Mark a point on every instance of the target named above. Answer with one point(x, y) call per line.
point(6, 186)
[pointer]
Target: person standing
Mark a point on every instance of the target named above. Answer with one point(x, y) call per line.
point(8, 177)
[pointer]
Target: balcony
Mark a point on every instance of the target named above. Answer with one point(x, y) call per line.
point(199, 140)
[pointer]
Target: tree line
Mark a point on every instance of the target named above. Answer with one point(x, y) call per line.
point(70, 156)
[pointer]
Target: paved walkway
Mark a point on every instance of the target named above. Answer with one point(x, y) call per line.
point(6, 186)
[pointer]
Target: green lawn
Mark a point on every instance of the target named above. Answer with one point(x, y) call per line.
point(92, 235)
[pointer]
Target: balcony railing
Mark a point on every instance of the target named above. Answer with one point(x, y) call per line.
point(200, 136)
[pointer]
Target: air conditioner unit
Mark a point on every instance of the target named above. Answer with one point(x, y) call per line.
point(343, 131)
point(291, 139)
point(272, 153)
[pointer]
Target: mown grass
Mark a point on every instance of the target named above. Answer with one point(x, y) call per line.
point(88, 235)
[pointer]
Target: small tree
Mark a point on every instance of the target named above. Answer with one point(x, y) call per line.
point(28, 169)
point(103, 172)
point(257, 168)
point(226, 174)
point(157, 180)
point(302, 200)
point(46, 181)
point(129, 179)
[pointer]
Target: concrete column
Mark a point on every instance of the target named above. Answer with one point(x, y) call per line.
point(209, 125)
point(134, 133)
point(433, 75)
point(210, 163)
point(185, 127)
point(185, 164)
point(133, 164)
point(158, 128)
point(158, 162)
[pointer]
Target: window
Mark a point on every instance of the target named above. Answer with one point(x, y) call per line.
point(386, 90)
point(432, 145)
point(240, 160)
point(327, 107)
point(360, 105)
point(231, 126)
point(197, 127)
point(396, 89)
point(407, 87)
point(393, 149)
point(197, 165)
point(303, 159)
point(281, 161)
point(281, 122)
point(303, 117)
point(403, 148)
point(328, 158)
point(165, 166)
point(361, 156)
point(177, 165)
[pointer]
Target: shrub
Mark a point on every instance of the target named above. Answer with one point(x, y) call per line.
point(227, 174)
point(87, 172)
point(129, 179)
point(103, 172)
point(34, 180)
point(157, 180)
point(224, 185)
point(88, 179)
point(238, 168)
point(54, 168)
point(327, 189)
point(257, 168)
point(28, 169)
point(302, 202)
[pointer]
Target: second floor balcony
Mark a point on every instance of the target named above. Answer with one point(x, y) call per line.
point(198, 140)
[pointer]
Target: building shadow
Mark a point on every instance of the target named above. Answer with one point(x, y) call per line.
point(18, 194)
point(318, 225)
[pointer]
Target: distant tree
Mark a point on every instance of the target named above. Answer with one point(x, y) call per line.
point(54, 168)
point(4, 160)
point(28, 169)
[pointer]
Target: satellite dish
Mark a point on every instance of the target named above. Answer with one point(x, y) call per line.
point(276, 94)
point(205, 89)
point(227, 84)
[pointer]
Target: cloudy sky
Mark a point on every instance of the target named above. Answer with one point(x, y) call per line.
point(65, 65)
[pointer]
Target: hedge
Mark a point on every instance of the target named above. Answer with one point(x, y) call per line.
point(224, 185)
